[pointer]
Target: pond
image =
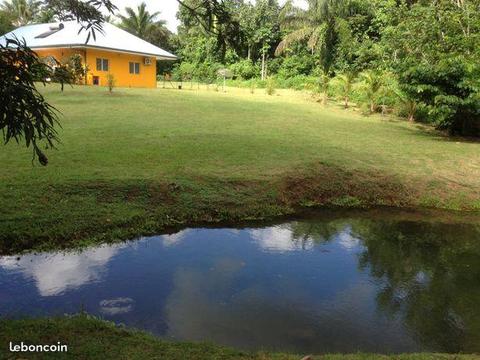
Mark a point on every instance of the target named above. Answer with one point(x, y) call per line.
point(377, 281)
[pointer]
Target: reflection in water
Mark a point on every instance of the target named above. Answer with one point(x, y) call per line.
point(329, 284)
point(433, 280)
point(116, 306)
point(280, 238)
point(172, 239)
point(255, 315)
point(57, 272)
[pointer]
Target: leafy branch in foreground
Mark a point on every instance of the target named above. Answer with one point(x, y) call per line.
point(87, 13)
point(24, 113)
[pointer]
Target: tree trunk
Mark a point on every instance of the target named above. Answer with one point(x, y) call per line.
point(372, 107)
point(266, 68)
point(324, 99)
point(249, 52)
point(346, 102)
point(263, 66)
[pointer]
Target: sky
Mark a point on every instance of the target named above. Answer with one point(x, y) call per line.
point(168, 9)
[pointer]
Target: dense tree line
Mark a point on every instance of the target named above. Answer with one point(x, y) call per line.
point(417, 57)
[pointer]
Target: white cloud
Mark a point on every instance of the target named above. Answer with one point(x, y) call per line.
point(279, 238)
point(347, 241)
point(173, 239)
point(53, 274)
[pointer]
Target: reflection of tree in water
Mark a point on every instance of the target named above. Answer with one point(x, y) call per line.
point(431, 274)
point(316, 231)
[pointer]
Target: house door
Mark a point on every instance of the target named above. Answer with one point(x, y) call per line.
point(96, 80)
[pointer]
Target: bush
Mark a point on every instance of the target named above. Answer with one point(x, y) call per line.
point(270, 89)
point(299, 82)
point(186, 71)
point(296, 65)
point(111, 82)
point(449, 91)
point(244, 69)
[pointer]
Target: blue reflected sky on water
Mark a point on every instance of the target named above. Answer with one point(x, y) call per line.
point(304, 286)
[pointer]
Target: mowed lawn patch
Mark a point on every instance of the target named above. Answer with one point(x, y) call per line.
point(140, 161)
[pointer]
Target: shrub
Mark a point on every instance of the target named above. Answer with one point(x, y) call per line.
point(448, 90)
point(79, 71)
point(300, 82)
point(111, 82)
point(296, 65)
point(345, 82)
point(270, 89)
point(244, 69)
point(372, 85)
point(324, 86)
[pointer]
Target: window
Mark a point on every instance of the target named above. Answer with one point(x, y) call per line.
point(102, 64)
point(134, 67)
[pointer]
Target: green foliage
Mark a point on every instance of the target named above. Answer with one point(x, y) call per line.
point(435, 49)
point(111, 82)
point(385, 39)
point(270, 88)
point(346, 82)
point(6, 22)
point(449, 90)
point(62, 74)
point(295, 65)
point(21, 12)
point(146, 25)
point(186, 71)
point(24, 113)
point(324, 86)
point(244, 69)
point(77, 68)
point(372, 84)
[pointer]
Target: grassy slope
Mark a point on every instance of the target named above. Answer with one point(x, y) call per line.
point(89, 338)
point(138, 161)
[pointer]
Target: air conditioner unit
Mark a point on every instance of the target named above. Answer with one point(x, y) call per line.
point(148, 61)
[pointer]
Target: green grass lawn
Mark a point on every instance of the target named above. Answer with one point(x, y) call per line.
point(140, 161)
point(90, 338)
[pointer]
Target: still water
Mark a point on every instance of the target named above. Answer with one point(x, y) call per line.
point(330, 282)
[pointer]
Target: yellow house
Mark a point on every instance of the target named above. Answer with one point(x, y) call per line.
point(131, 60)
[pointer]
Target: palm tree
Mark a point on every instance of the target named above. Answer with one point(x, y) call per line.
point(346, 81)
point(317, 25)
point(373, 84)
point(140, 23)
point(22, 12)
point(324, 86)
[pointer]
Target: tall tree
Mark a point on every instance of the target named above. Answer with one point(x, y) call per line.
point(140, 21)
point(145, 25)
point(22, 12)
point(267, 30)
point(317, 25)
